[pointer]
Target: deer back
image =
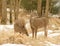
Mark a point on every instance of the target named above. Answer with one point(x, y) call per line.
point(38, 22)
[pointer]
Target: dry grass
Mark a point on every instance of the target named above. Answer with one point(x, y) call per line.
point(4, 36)
point(10, 37)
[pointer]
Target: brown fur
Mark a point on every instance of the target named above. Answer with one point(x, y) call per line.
point(38, 23)
point(19, 26)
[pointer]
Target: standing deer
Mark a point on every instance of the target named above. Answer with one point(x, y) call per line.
point(36, 23)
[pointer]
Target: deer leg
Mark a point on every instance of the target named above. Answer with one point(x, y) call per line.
point(45, 28)
point(32, 33)
point(35, 33)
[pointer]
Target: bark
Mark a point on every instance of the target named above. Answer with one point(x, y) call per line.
point(0, 10)
point(4, 12)
point(16, 9)
point(47, 8)
point(12, 4)
point(39, 8)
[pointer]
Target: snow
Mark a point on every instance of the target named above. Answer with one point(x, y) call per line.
point(50, 44)
point(8, 27)
point(38, 33)
point(56, 15)
point(8, 9)
point(47, 44)
point(54, 34)
point(49, 33)
point(53, 25)
point(57, 4)
point(13, 45)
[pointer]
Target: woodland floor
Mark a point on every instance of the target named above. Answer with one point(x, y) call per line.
point(8, 38)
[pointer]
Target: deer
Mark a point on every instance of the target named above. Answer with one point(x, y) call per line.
point(19, 25)
point(37, 22)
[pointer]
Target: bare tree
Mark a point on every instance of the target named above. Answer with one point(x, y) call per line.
point(12, 7)
point(4, 12)
point(39, 8)
point(0, 10)
point(16, 9)
point(47, 8)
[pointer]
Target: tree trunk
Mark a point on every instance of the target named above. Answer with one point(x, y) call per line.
point(4, 12)
point(47, 8)
point(0, 10)
point(39, 8)
point(16, 9)
point(19, 3)
point(12, 4)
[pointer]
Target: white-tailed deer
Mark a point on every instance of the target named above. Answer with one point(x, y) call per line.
point(19, 25)
point(36, 23)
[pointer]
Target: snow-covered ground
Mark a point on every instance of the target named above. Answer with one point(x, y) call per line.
point(50, 44)
point(10, 27)
point(47, 44)
point(49, 33)
point(13, 45)
point(6, 27)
